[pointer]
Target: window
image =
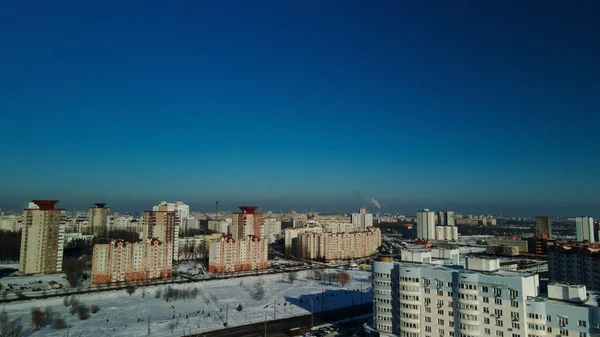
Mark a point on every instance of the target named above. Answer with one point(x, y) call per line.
point(486, 320)
point(581, 323)
point(486, 331)
point(514, 304)
point(498, 301)
point(499, 333)
point(485, 289)
point(486, 300)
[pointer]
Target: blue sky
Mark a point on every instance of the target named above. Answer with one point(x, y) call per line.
point(479, 106)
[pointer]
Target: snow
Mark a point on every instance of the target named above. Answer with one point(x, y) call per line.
point(124, 315)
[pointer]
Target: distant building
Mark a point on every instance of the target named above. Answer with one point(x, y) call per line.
point(247, 222)
point(446, 233)
point(192, 224)
point(272, 229)
point(426, 224)
point(362, 219)
point(339, 246)
point(119, 261)
point(98, 220)
point(219, 226)
point(11, 223)
point(228, 255)
point(183, 212)
point(42, 238)
point(585, 229)
point(291, 237)
point(446, 218)
point(543, 227)
point(163, 225)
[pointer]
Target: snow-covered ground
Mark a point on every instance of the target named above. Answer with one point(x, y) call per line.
point(124, 315)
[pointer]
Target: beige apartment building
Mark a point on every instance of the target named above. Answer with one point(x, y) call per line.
point(163, 225)
point(339, 246)
point(98, 220)
point(119, 261)
point(228, 255)
point(42, 238)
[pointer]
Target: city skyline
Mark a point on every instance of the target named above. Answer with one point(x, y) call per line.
point(479, 108)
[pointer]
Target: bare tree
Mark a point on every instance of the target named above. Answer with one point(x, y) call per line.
point(173, 324)
point(259, 289)
point(9, 328)
point(292, 276)
point(157, 293)
point(130, 290)
point(37, 318)
point(66, 301)
point(94, 308)
point(318, 274)
point(59, 323)
point(343, 278)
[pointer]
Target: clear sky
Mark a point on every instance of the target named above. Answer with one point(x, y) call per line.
point(480, 106)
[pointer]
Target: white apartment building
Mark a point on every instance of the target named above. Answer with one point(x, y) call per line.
point(220, 226)
point(446, 233)
point(585, 229)
point(42, 238)
point(426, 224)
point(446, 218)
point(425, 300)
point(11, 223)
point(272, 229)
point(362, 219)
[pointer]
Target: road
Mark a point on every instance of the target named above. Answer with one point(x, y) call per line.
point(281, 327)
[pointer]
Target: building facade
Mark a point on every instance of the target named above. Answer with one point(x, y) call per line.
point(247, 222)
point(220, 226)
point(228, 255)
point(119, 261)
point(42, 238)
point(426, 224)
point(338, 246)
point(446, 233)
point(163, 225)
point(543, 227)
point(98, 220)
point(272, 229)
point(424, 300)
point(362, 219)
point(585, 229)
point(575, 263)
point(446, 218)
point(183, 212)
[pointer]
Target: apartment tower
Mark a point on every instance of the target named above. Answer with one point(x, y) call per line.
point(247, 222)
point(426, 224)
point(543, 227)
point(585, 229)
point(42, 238)
point(98, 219)
point(163, 225)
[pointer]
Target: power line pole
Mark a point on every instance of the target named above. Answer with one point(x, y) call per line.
point(265, 324)
point(274, 308)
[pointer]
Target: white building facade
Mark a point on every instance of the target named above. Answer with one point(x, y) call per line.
point(585, 229)
point(362, 219)
point(426, 224)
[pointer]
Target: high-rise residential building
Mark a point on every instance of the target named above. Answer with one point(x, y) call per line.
point(420, 299)
point(446, 218)
point(98, 220)
point(446, 233)
point(362, 219)
point(247, 222)
point(183, 212)
point(291, 237)
point(339, 246)
point(576, 263)
point(272, 229)
point(163, 225)
point(426, 224)
point(119, 261)
point(585, 229)
point(220, 226)
point(192, 224)
point(543, 227)
point(227, 255)
point(42, 238)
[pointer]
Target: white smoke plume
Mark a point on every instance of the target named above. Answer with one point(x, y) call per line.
point(375, 203)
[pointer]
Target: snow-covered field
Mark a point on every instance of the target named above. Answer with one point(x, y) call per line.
point(124, 315)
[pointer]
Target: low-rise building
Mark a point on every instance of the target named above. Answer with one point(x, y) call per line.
point(446, 233)
point(521, 244)
point(119, 261)
point(228, 255)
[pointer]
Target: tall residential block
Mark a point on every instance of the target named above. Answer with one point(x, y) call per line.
point(42, 238)
point(543, 227)
point(585, 229)
point(247, 222)
point(183, 212)
point(446, 218)
point(426, 300)
point(163, 225)
point(98, 220)
point(576, 263)
point(426, 224)
point(362, 219)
